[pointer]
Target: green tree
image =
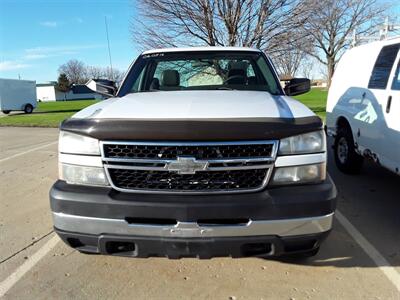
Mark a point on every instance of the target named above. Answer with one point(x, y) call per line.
point(75, 71)
point(63, 84)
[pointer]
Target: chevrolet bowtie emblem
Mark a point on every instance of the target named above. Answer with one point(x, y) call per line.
point(186, 165)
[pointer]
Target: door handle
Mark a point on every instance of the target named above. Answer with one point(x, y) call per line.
point(388, 104)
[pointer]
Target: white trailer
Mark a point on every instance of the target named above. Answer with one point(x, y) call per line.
point(17, 95)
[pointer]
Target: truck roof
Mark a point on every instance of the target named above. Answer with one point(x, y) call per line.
point(209, 48)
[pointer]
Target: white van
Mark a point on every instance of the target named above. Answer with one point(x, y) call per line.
point(363, 109)
point(17, 95)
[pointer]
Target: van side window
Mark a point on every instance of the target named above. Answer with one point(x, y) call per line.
point(383, 65)
point(396, 79)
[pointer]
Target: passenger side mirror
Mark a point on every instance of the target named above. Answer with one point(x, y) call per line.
point(103, 87)
point(297, 86)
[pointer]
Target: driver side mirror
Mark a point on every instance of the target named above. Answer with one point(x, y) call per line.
point(297, 86)
point(103, 87)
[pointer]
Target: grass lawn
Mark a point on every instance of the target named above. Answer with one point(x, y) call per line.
point(47, 114)
point(50, 114)
point(315, 100)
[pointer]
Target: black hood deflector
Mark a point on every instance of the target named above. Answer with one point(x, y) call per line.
point(192, 130)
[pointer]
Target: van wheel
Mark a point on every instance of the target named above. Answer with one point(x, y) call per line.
point(28, 109)
point(347, 159)
point(6, 111)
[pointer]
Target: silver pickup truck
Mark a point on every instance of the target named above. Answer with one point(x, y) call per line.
point(200, 153)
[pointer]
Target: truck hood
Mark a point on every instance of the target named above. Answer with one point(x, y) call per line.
point(196, 105)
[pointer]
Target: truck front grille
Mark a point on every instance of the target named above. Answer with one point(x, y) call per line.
point(208, 181)
point(196, 151)
point(207, 167)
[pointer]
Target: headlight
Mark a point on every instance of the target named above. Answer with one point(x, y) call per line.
point(82, 175)
point(77, 144)
point(304, 143)
point(299, 174)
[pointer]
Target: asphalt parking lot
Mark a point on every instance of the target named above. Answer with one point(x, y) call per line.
point(359, 260)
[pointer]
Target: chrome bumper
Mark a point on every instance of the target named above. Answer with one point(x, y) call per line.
point(282, 228)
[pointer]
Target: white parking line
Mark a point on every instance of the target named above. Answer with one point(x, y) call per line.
point(28, 151)
point(370, 250)
point(8, 283)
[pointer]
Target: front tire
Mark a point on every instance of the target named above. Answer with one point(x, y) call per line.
point(28, 109)
point(346, 158)
point(6, 112)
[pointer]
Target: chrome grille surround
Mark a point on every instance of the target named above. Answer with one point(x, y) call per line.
point(209, 165)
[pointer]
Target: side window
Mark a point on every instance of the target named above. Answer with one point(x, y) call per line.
point(383, 65)
point(396, 79)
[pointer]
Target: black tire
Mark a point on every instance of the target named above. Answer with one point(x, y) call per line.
point(6, 112)
point(28, 109)
point(346, 158)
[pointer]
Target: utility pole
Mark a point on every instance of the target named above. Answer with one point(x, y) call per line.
point(109, 50)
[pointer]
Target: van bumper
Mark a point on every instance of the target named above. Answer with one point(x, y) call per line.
point(272, 222)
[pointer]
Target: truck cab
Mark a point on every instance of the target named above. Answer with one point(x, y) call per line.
point(200, 153)
point(363, 107)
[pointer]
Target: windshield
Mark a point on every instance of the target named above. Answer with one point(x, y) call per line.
point(206, 70)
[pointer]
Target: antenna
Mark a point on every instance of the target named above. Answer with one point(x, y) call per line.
point(109, 51)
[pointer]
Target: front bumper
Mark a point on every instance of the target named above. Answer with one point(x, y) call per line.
point(204, 248)
point(270, 222)
point(285, 227)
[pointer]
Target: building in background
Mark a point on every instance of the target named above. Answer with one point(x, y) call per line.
point(48, 92)
point(320, 83)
